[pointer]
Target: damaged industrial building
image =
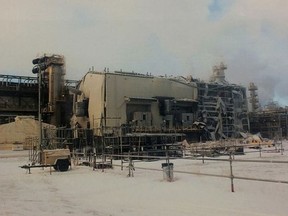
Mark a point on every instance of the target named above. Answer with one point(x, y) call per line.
point(131, 112)
point(222, 106)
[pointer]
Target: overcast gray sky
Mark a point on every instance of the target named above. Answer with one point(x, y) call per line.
point(183, 37)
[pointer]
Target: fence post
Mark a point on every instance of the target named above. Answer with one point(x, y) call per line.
point(170, 177)
point(103, 161)
point(94, 161)
point(203, 155)
point(281, 142)
point(231, 173)
point(130, 166)
point(260, 150)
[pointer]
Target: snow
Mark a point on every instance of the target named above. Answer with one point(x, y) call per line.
point(82, 191)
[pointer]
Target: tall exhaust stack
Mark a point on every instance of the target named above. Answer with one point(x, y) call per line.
point(56, 74)
point(253, 97)
point(53, 73)
point(219, 73)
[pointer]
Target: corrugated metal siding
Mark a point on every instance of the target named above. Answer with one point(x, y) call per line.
point(119, 87)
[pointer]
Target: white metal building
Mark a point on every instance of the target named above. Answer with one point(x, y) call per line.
point(119, 98)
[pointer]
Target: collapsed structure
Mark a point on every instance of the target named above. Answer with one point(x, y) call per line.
point(151, 104)
point(126, 111)
point(138, 112)
point(222, 106)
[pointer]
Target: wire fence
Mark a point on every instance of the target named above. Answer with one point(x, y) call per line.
point(104, 159)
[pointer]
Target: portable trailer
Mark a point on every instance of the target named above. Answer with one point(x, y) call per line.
point(59, 159)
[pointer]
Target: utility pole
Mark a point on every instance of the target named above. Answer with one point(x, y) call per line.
point(39, 108)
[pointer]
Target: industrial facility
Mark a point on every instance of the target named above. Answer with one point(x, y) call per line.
point(142, 102)
point(222, 106)
point(19, 95)
point(132, 112)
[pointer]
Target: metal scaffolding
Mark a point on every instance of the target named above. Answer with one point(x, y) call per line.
point(270, 123)
point(19, 96)
point(223, 107)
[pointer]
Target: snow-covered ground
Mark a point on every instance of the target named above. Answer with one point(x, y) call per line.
point(82, 191)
